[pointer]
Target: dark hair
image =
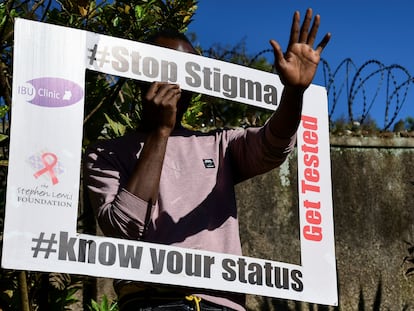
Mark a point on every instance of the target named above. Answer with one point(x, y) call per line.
point(169, 33)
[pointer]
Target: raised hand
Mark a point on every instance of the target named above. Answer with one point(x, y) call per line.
point(297, 66)
point(161, 104)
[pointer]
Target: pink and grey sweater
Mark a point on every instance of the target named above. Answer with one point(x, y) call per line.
point(196, 206)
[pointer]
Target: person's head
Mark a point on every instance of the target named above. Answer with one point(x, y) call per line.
point(173, 39)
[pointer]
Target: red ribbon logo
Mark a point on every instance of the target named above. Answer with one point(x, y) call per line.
point(49, 161)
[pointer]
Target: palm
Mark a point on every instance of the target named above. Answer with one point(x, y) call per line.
point(297, 66)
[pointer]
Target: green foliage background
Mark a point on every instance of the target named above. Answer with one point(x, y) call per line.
point(112, 107)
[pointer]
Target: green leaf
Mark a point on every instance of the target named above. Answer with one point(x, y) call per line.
point(3, 137)
point(115, 21)
point(118, 128)
point(139, 12)
point(94, 306)
point(3, 111)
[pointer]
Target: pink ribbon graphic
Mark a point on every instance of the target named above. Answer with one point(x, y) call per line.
point(49, 161)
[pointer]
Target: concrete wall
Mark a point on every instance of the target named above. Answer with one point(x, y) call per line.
point(373, 191)
point(373, 195)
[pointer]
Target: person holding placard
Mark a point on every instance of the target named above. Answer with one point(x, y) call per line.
point(168, 185)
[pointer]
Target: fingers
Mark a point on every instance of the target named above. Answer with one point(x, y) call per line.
point(277, 50)
point(323, 43)
point(314, 30)
point(161, 104)
point(294, 31)
point(297, 33)
point(162, 91)
point(167, 92)
point(304, 35)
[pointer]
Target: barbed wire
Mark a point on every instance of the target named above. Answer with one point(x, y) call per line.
point(364, 85)
point(361, 90)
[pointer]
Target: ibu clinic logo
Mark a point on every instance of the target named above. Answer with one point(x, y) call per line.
point(51, 92)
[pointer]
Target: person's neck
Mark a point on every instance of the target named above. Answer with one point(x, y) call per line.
point(147, 127)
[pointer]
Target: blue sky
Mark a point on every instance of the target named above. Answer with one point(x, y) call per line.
point(361, 30)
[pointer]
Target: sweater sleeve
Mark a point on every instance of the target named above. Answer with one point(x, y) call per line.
point(257, 150)
point(119, 213)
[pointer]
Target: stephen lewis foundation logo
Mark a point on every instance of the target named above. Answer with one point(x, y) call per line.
point(46, 165)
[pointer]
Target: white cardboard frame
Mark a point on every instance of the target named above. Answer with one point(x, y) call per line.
point(45, 155)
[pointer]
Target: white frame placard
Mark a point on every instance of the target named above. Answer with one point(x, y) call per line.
point(45, 156)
